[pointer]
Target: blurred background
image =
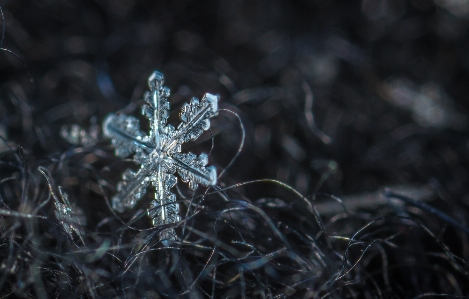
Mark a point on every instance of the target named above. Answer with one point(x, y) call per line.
point(337, 98)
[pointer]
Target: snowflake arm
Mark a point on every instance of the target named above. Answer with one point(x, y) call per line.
point(132, 188)
point(157, 108)
point(193, 171)
point(164, 209)
point(195, 120)
point(127, 139)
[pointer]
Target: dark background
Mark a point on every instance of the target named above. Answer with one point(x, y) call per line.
point(386, 81)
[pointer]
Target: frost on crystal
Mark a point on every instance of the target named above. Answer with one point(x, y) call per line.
point(159, 153)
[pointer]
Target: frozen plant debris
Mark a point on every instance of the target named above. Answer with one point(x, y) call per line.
point(159, 153)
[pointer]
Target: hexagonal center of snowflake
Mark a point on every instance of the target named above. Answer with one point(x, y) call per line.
point(157, 155)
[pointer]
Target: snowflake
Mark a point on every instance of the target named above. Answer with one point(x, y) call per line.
point(79, 136)
point(159, 153)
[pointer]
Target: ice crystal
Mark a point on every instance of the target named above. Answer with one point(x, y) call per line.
point(159, 153)
point(70, 217)
point(79, 136)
